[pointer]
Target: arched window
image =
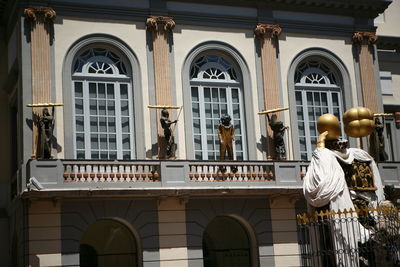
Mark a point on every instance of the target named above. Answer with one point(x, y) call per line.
point(226, 243)
point(108, 243)
point(317, 91)
point(216, 90)
point(102, 105)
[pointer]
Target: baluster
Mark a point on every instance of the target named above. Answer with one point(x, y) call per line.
point(196, 173)
point(191, 173)
point(66, 175)
point(156, 174)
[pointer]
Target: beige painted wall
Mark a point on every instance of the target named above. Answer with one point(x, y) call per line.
point(68, 30)
point(291, 44)
point(388, 22)
point(394, 68)
point(44, 232)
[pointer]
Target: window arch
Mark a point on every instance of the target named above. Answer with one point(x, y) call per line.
point(103, 100)
point(320, 83)
point(216, 90)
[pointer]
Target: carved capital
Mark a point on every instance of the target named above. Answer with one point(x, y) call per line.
point(159, 23)
point(267, 30)
point(33, 13)
point(364, 38)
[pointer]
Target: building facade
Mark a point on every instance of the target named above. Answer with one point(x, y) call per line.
point(107, 196)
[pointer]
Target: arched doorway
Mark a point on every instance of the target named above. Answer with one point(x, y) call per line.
point(108, 243)
point(226, 243)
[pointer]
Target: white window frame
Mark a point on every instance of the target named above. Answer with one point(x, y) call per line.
point(116, 79)
point(228, 83)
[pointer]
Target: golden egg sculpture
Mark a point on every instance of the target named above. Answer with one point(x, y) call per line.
point(358, 122)
point(329, 122)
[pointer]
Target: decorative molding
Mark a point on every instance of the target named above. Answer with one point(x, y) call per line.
point(158, 23)
point(33, 13)
point(368, 37)
point(267, 30)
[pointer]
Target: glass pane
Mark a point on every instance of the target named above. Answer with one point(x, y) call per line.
point(211, 156)
point(303, 144)
point(102, 124)
point(110, 108)
point(195, 94)
point(302, 132)
point(80, 154)
point(215, 94)
point(209, 126)
point(224, 109)
point(336, 112)
point(79, 124)
point(313, 131)
point(335, 99)
point(93, 124)
point(238, 142)
point(126, 141)
point(216, 111)
point(94, 141)
point(309, 99)
point(196, 126)
point(127, 155)
point(111, 125)
point(239, 156)
point(235, 96)
point(93, 107)
point(102, 107)
point(80, 141)
point(324, 100)
point(198, 155)
point(124, 91)
point(92, 90)
point(125, 124)
point(207, 95)
point(222, 92)
point(311, 115)
point(113, 155)
point(103, 141)
point(112, 141)
point(78, 106)
point(299, 100)
point(110, 91)
point(300, 115)
point(95, 154)
point(101, 90)
point(238, 129)
point(196, 110)
point(197, 142)
point(208, 110)
point(103, 155)
point(236, 111)
point(125, 108)
point(210, 143)
point(317, 99)
point(78, 89)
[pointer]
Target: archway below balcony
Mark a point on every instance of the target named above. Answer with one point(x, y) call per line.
point(228, 242)
point(109, 242)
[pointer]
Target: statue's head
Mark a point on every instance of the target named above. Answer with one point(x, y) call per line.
point(226, 120)
point(329, 122)
point(45, 111)
point(165, 113)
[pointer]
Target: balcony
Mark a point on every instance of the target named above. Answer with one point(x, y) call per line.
point(54, 175)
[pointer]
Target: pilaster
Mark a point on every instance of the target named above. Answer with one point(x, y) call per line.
point(40, 20)
point(161, 28)
point(363, 42)
point(268, 36)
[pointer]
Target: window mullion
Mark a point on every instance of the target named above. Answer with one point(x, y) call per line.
point(131, 123)
point(230, 112)
point(86, 114)
point(242, 124)
point(118, 119)
point(203, 123)
point(306, 123)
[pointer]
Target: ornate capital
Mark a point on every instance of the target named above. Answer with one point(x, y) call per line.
point(158, 23)
point(33, 13)
point(364, 37)
point(267, 30)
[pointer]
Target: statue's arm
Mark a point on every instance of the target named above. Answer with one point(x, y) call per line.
point(321, 139)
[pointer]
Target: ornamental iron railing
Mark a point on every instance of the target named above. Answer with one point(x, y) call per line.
point(360, 237)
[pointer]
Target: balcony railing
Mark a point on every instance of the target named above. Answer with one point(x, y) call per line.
point(69, 174)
